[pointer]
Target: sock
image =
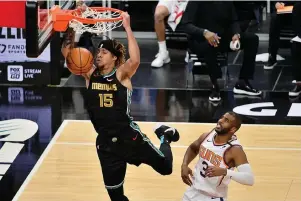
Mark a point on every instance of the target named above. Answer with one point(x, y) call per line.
point(214, 83)
point(162, 46)
point(166, 150)
point(168, 158)
point(213, 80)
point(165, 147)
point(164, 140)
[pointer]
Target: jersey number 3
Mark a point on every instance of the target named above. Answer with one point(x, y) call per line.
point(106, 100)
point(205, 167)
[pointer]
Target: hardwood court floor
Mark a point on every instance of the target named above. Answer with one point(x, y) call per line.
point(71, 171)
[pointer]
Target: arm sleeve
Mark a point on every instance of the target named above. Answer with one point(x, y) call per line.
point(187, 23)
point(243, 176)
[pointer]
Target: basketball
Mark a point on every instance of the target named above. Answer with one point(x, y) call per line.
point(79, 61)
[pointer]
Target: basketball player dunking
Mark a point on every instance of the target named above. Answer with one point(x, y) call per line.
point(119, 140)
point(219, 153)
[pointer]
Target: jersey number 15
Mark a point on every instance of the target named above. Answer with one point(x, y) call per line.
point(106, 100)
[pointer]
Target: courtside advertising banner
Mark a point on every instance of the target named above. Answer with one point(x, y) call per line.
point(13, 47)
point(15, 66)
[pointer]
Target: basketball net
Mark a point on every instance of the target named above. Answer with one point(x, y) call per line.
point(99, 27)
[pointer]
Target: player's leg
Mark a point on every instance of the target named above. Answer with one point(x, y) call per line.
point(113, 170)
point(161, 12)
point(189, 194)
point(160, 159)
point(276, 23)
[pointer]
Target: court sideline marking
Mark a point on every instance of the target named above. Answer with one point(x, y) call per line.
point(40, 161)
point(185, 146)
point(65, 122)
point(194, 123)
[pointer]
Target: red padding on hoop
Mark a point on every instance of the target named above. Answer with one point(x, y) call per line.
point(12, 14)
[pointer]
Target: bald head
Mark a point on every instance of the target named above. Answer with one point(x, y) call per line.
point(237, 120)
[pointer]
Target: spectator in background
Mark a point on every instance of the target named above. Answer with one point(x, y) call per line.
point(211, 26)
point(296, 51)
point(171, 8)
point(248, 13)
point(278, 21)
point(163, 9)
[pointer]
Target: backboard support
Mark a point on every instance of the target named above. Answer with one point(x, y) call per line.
point(39, 26)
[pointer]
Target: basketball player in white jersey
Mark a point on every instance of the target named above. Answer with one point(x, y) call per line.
point(219, 153)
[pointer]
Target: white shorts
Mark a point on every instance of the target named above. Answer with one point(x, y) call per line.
point(193, 194)
point(169, 4)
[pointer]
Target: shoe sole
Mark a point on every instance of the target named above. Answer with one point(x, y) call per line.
point(269, 67)
point(164, 62)
point(214, 99)
point(294, 94)
point(239, 91)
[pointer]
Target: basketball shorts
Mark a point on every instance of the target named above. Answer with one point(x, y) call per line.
point(129, 147)
point(193, 194)
point(169, 4)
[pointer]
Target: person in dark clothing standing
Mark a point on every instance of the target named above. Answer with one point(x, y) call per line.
point(278, 21)
point(296, 51)
point(210, 27)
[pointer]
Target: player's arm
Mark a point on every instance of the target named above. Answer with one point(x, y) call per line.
point(128, 69)
point(70, 41)
point(191, 152)
point(244, 175)
point(187, 23)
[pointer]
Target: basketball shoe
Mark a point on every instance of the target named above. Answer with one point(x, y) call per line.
point(166, 133)
point(161, 59)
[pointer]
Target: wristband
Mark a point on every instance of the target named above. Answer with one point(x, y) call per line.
point(77, 37)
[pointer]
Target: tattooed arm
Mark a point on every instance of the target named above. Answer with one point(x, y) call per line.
point(71, 38)
point(68, 42)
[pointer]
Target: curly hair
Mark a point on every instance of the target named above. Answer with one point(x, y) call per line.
point(120, 48)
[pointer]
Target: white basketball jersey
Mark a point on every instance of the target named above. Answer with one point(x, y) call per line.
point(212, 154)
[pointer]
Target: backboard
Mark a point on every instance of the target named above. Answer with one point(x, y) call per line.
point(39, 29)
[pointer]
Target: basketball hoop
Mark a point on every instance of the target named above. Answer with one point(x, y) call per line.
point(93, 19)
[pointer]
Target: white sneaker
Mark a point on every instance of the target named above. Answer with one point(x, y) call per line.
point(161, 59)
